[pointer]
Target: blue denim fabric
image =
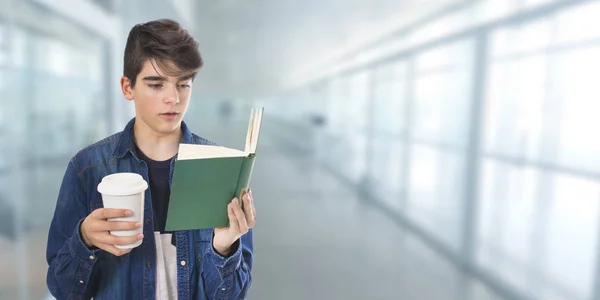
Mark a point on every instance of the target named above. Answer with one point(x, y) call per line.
point(77, 272)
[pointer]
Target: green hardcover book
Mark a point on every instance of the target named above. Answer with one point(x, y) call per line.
point(206, 179)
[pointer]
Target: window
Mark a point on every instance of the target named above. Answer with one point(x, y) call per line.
point(389, 99)
point(357, 102)
point(443, 94)
point(514, 108)
point(507, 214)
point(436, 197)
point(576, 89)
point(337, 106)
point(389, 103)
point(356, 128)
point(539, 192)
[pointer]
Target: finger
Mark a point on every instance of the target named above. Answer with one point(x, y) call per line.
point(248, 212)
point(109, 213)
point(102, 225)
point(233, 222)
point(114, 250)
point(120, 240)
point(240, 216)
point(126, 240)
point(252, 203)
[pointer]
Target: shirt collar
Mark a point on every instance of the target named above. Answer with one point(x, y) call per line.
point(127, 142)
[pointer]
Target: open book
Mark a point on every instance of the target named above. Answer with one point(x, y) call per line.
point(206, 178)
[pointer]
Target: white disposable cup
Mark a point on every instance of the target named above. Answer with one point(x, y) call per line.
point(125, 191)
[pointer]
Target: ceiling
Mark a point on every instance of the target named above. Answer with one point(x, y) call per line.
point(253, 46)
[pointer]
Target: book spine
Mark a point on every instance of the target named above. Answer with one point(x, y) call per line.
point(244, 177)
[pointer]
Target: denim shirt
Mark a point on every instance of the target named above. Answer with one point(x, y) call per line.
point(77, 272)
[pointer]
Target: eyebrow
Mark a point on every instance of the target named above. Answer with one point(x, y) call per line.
point(154, 78)
point(160, 78)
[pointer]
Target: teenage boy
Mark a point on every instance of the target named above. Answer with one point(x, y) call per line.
point(160, 62)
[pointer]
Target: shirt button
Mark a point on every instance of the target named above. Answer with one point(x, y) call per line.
point(81, 281)
point(148, 264)
point(183, 262)
point(147, 221)
point(222, 289)
point(91, 257)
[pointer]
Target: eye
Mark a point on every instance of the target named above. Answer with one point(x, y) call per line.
point(184, 86)
point(155, 86)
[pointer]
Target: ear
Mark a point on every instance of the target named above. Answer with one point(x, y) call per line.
point(126, 88)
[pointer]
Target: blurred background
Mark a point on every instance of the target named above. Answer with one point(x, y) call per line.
point(430, 149)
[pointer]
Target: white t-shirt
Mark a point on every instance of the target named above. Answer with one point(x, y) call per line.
point(166, 267)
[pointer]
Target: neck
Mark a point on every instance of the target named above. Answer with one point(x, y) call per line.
point(155, 145)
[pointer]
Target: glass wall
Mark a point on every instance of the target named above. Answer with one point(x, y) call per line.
point(504, 90)
point(53, 87)
point(388, 131)
point(540, 190)
point(485, 114)
point(57, 94)
point(439, 137)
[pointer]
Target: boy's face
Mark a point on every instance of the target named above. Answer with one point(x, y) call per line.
point(160, 100)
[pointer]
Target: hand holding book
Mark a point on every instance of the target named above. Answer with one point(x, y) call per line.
point(206, 178)
point(240, 221)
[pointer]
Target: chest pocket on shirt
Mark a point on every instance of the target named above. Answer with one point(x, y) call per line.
point(203, 241)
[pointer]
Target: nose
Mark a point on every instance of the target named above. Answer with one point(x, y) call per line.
point(171, 96)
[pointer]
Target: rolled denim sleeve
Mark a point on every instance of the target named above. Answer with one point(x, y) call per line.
point(229, 277)
point(70, 261)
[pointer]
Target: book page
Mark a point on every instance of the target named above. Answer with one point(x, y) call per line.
point(191, 151)
point(256, 130)
point(249, 133)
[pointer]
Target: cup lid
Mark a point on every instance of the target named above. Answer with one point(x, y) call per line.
point(122, 184)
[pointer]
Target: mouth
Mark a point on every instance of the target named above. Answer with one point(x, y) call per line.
point(170, 116)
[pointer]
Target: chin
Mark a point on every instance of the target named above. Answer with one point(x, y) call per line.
point(169, 127)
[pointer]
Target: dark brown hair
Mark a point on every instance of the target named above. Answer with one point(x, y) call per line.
point(165, 44)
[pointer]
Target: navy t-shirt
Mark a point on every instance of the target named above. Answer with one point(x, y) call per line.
point(158, 173)
point(166, 252)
